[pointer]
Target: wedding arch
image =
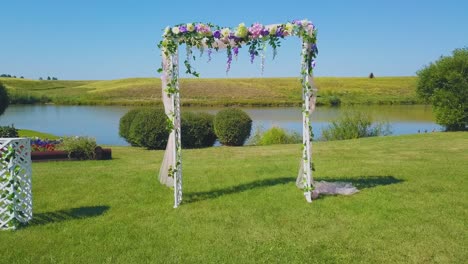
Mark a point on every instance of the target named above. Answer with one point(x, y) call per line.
point(212, 37)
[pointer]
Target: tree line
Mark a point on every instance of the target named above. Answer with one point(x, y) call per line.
point(4, 75)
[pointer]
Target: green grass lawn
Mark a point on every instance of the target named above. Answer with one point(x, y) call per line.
point(32, 133)
point(215, 92)
point(241, 206)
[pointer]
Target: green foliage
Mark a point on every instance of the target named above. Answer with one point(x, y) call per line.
point(80, 147)
point(4, 99)
point(8, 132)
point(125, 124)
point(444, 83)
point(354, 125)
point(197, 130)
point(275, 135)
point(232, 126)
point(334, 100)
point(149, 129)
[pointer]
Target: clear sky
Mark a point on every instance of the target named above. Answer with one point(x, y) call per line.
point(98, 39)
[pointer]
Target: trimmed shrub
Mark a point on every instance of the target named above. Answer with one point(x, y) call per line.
point(4, 99)
point(8, 132)
point(125, 123)
point(79, 147)
point(197, 130)
point(149, 129)
point(354, 125)
point(232, 126)
point(278, 135)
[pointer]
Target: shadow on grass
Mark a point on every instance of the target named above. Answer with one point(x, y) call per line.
point(66, 215)
point(364, 182)
point(200, 196)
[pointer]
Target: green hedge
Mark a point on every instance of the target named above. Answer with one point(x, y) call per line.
point(4, 99)
point(278, 135)
point(197, 130)
point(125, 123)
point(232, 126)
point(149, 129)
point(8, 132)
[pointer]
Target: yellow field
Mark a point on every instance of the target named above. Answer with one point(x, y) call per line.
point(216, 92)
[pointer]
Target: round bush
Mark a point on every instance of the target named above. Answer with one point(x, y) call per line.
point(125, 123)
point(277, 135)
point(4, 99)
point(149, 129)
point(197, 130)
point(232, 126)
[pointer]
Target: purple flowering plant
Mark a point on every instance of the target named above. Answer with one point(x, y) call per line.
point(43, 145)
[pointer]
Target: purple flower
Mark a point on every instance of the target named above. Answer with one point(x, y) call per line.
point(280, 32)
point(252, 56)
point(183, 29)
point(236, 51)
point(209, 54)
point(265, 32)
point(314, 48)
point(217, 34)
point(228, 66)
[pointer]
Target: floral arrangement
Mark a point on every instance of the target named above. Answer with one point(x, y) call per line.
point(256, 38)
point(43, 145)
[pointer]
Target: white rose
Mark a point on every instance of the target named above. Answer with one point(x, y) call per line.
point(225, 32)
point(175, 30)
point(190, 27)
point(273, 30)
point(167, 30)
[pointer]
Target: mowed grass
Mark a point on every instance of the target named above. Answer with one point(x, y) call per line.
point(241, 206)
point(216, 92)
point(32, 133)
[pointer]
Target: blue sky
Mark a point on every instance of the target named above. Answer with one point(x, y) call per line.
point(117, 39)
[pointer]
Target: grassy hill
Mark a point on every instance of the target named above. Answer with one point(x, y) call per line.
point(215, 92)
point(241, 205)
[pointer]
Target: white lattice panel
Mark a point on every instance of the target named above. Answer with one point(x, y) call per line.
point(15, 182)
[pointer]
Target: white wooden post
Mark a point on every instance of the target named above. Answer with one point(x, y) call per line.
point(306, 128)
point(177, 165)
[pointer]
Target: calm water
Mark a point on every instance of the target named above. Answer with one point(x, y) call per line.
point(102, 122)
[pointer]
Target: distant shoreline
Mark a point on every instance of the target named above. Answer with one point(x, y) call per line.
point(258, 92)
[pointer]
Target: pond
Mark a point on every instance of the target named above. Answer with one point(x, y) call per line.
point(102, 122)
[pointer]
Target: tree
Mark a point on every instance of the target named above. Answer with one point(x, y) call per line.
point(444, 83)
point(40, 78)
point(371, 75)
point(48, 78)
point(4, 99)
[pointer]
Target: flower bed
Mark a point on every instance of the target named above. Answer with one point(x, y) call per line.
point(57, 155)
point(53, 150)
